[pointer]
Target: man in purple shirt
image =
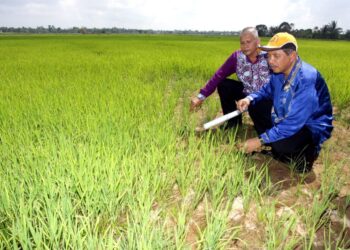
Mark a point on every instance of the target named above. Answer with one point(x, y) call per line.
point(252, 70)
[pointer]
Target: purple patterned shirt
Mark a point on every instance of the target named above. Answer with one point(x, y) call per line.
point(252, 75)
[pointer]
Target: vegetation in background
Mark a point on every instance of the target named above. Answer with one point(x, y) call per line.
point(327, 31)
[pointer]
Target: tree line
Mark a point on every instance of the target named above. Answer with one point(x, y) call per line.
point(114, 30)
point(327, 31)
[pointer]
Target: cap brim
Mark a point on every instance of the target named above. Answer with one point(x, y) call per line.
point(269, 48)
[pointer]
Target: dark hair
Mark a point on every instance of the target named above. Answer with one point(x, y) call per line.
point(288, 51)
point(289, 48)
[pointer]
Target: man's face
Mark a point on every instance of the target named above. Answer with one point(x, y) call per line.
point(280, 62)
point(249, 43)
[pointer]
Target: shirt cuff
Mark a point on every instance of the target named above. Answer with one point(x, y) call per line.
point(250, 98)
point(264, 138)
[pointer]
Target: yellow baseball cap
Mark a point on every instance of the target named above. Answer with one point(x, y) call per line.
point(280, 41)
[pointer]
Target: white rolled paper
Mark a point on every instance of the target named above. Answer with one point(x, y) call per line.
point(221, 119)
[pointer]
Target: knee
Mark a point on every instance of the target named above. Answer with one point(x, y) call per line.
point(223, 85)
point(281, 149)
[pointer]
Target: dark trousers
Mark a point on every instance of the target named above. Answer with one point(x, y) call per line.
point(298, 149)
point(231, 91)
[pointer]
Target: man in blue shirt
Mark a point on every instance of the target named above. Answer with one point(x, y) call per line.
point(301, 115)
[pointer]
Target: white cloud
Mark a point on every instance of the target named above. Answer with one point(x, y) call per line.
point(66, 3)
point(175, 14)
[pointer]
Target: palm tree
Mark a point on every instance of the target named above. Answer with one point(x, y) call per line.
point(333, 30)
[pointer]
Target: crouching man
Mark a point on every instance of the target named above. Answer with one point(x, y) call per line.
point(301, 115)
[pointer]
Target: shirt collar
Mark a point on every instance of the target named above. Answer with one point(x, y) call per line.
point(258, 57)
point(290, 79)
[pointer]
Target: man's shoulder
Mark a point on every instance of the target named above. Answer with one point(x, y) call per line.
point(307, 74)
point(235, 55)
point(239, 53)
point(308, 70)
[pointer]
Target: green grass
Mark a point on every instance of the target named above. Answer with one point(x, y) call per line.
point(95, 132)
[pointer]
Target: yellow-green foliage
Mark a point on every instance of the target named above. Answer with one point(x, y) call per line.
point(95, 130)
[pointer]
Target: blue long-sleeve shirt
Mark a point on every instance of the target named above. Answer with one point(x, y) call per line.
point(303, 101)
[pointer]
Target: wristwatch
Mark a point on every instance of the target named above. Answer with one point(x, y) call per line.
point(201, 96)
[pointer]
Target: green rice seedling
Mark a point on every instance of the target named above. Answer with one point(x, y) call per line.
point(282, 227)
point(95, 132)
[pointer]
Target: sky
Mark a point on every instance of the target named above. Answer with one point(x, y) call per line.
point(204, 15)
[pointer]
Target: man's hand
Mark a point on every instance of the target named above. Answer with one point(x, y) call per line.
point(242, 105)
point(250, 145)
point(195, 103)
